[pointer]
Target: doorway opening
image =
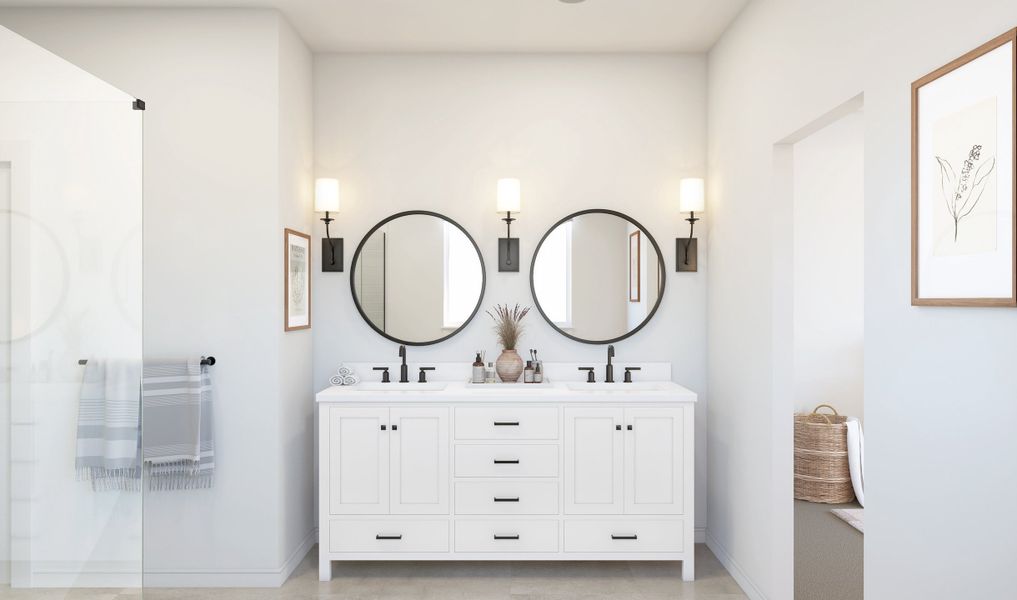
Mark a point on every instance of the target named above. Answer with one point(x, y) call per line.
point(820, 329)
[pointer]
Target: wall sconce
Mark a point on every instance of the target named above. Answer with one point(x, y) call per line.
point(326, 200)
point(508, 246)
point(692, 199)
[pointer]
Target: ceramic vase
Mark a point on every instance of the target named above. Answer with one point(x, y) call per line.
point(509, 366)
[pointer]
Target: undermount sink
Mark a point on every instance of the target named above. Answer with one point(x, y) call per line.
point(641, 386)
point(430, 386)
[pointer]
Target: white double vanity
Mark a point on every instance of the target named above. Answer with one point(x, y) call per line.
point(559, 471)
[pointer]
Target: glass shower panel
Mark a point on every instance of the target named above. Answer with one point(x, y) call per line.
point(70, 304)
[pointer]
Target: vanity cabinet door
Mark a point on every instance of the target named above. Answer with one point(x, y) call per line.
point(420, 461)
point(654, 461)
point(594, 440)
point(358, 454)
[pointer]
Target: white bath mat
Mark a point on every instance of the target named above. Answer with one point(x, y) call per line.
point(854, 517)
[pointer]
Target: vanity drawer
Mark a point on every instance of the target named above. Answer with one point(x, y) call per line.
point(506, 423)
point(506, 536)
point(388, 535)
point(506, 460)
point(507, 497)
point(624, 536)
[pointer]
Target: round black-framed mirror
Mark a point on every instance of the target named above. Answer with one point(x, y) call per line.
point(594, 278)
point(418, 278)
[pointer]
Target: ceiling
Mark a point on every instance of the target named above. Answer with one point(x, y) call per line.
point(481, 25)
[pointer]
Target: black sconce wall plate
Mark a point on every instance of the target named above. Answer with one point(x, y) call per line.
point(508, 255)
point(686, 255)
point(326, 255)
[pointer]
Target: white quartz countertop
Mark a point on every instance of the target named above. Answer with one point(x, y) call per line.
point(554, 391)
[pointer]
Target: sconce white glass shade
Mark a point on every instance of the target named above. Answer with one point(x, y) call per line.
point(692, 195)
point(326, 195)
point(508, 195)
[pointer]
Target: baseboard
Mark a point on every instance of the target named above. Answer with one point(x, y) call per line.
point(80, 574)
point(700, 535)
point(242, 578)
point(746, 583)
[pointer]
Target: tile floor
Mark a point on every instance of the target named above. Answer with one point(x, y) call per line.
point(459, 581)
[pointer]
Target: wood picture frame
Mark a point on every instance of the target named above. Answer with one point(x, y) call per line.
point(635, 266)
point(970, 102)
point(296, 280)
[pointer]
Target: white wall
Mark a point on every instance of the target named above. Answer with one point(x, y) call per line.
point(227, 166)
point(581, 131)
point(295, 408)
point(939, 519)
point(829, 255)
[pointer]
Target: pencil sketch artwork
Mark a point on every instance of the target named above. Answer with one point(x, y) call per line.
point(298, 279)
point(964, 146)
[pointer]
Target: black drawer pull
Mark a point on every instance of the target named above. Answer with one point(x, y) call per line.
point(506, 461)
point(497, 499)
point(506, 537)
point(506, 423)
point(624, 537)
point(398, 536)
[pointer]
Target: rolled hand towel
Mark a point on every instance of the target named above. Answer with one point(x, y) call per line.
point(350, 380)
point(343, 371)
point(335, 380)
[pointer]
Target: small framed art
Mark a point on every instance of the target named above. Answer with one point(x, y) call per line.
point(963, 197)
point(635, 266)
point(297, 249)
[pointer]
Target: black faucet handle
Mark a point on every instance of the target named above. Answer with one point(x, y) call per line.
point(384, 374)
point(423, 374)
point(590, 377)
point(628, 373)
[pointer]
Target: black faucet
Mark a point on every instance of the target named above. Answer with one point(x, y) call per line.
point(609, 371)
point(404, 373)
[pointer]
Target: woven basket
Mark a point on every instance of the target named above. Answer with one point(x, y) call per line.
point(821, 458)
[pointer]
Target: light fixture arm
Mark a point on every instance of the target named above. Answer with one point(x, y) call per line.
point(692, 225)
point(331, 244)
point(508, 231)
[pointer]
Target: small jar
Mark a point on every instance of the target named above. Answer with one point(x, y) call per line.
point(538, 372)
point(528, 372)
point(489, 376)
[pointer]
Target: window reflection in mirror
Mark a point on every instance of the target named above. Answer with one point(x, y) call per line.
point(597, 276)
point(417, 278)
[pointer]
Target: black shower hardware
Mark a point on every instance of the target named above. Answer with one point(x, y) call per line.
point(384, 374)
point(207, 361)
point(423, 374)
point(609, 370)
point(404, 374)
point(628, 373)
point(590, 377)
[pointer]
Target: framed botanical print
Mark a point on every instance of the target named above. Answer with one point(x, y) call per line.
point(635, 266)
point(297, 249)
point(963, 194)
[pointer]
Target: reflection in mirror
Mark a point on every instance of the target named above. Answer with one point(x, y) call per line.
point(417, 278)
point(597, 276)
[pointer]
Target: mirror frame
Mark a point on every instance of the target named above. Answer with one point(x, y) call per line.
point(660, 264)
point(360, 247)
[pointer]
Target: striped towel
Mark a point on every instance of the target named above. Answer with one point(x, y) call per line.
point(179, 451)
point(107, 451)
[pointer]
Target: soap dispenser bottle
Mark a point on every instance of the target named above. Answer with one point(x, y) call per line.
point(489, 374)
point(478, 370)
